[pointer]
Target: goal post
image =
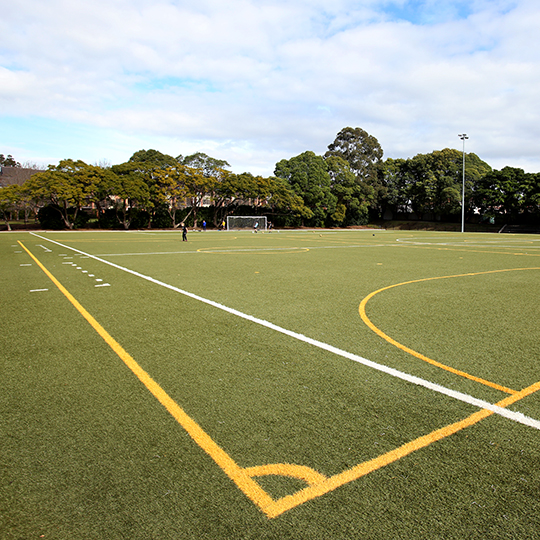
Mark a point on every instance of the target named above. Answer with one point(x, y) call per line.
point(246, 222)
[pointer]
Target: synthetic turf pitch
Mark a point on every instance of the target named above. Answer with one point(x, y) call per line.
point(280, 438)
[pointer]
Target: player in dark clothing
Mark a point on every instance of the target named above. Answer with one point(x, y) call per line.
point(184, 233)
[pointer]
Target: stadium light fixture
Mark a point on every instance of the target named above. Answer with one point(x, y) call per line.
point(463, 136)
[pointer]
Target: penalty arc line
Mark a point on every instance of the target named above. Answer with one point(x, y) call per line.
point(460, 396)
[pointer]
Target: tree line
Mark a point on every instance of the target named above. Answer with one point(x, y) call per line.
point(349, 185)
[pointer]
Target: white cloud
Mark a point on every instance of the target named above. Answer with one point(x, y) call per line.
point(261, 81)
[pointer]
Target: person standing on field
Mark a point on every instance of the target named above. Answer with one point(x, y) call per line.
point(204, 225)
point(184, 233)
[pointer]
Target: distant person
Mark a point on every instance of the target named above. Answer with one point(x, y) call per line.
point(256, 227)
point(269, 226)
point(223, 225)
point(204, 226)
point(184, 233)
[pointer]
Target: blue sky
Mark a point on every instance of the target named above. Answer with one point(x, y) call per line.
point(257, 81)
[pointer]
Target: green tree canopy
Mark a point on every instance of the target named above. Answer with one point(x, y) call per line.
point(308, 176)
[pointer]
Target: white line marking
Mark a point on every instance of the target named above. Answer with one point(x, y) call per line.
point(460, 396)
point(39, 290)
point(67, 263)
point(90, 275)
point(99, 279)
point(25, 265)
point(103, 285)
point(45, 248)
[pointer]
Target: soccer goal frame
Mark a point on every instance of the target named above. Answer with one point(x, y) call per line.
point(235, 223)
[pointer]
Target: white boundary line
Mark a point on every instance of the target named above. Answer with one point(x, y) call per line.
point(460, 396)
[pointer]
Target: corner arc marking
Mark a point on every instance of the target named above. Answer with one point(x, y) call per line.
point(380, 333)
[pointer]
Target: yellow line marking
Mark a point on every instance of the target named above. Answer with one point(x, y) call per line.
point(318, 484)
point(362, 469)
point(250, 250)
point(367, 321)
point(307, 474)
point(229, 466)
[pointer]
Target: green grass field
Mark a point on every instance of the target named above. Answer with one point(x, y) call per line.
point(293, 385)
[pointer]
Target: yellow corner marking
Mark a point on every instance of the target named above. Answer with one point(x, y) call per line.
point(309, 475)
point(367, 321)
point(229, 466)
point(318, 484)
point(362, 469)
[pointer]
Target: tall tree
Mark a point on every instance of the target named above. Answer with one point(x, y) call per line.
point(308, 176)
point(352, 196)
point(361, 150)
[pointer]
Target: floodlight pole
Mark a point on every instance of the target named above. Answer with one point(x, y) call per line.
point(463, 136)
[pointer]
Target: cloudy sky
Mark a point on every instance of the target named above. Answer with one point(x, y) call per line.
point(256, 81)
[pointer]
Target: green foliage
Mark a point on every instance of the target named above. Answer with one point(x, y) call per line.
point(153, 158)
point(508, 193)
point(432, 183)
point(308, 176)
point(8, 161)
point(345, 187)
point(361, 150)
point(207, 164)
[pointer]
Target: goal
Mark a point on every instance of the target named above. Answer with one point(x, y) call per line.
point(246, 222)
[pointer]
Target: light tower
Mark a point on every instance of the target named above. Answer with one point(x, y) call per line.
point(463, 136)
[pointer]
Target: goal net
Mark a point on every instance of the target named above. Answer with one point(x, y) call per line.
point(246, 222)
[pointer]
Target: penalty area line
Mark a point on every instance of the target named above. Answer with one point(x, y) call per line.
point(460, 396)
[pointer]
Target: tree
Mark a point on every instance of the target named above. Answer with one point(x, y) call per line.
point(8, 161)
point(273, 194)
point(172, 185)
point(432, 183)
point(153, 157)
point(10, 197)
point(308, 176)
point(364, 154)
point(130, 191)
point(204, 177)
point(67, 186)
point(198, 186)
point(397, 181)
point(502, 193)
point(207, 164)
point(352, 196)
